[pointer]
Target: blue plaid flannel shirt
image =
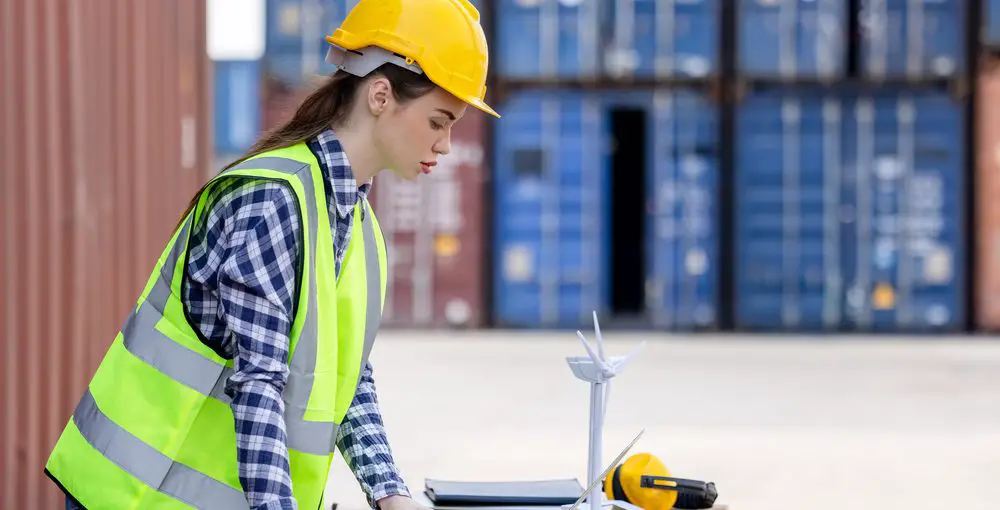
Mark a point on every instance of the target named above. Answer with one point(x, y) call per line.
point(241, 279)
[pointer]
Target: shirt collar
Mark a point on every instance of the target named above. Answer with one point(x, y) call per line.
point(333, 159)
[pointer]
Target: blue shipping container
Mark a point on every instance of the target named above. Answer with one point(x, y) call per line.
point(663, 38)
point(237, 105)
point(299, 26)
point(553, 208)
point(795, 38)
point(551, 233)
point(849, 211)
point(921, 38)
point(991, 19)
point(682, 221)
point(546, 38)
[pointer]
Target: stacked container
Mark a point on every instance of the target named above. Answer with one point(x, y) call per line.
point(987, 245)
point(554, 227)
point(792, 38)
point(849, 210)
point(591, 39)
point(849, 193)
point(560, 245)
point(917, 39)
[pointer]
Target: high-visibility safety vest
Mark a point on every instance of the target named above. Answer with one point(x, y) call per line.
point(155, 429)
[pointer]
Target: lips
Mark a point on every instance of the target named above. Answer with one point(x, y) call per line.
point(427, 165)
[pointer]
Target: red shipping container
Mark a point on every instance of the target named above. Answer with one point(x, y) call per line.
point(434, 233)
point(987, 307)
point(433, 226)
point(105, 131)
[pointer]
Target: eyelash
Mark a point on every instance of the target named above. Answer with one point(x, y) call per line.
point(436, 126)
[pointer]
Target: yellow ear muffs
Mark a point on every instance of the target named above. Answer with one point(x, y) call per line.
point(625, 483)
point(644, 481)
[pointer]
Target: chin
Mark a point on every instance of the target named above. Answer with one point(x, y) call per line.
point(409, 176)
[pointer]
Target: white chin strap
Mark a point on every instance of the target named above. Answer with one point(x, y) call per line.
point(367, 59)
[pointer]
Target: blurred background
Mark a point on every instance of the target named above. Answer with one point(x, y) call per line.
point(793, 202)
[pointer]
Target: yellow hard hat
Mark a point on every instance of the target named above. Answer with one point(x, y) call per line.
point(442, 38)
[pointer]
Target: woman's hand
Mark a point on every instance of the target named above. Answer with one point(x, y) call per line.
point(399, 502)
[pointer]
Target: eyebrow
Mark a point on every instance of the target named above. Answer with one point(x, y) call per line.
point(446, 112)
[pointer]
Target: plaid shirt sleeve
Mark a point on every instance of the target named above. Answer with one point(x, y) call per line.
point(363, 443)
point(243, 271)
point(250, 255)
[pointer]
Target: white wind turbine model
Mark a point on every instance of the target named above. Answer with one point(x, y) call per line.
point(598, 370)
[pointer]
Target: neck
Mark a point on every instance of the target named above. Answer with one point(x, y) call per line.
point(360, 153)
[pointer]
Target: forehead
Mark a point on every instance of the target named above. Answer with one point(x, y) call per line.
point(440, 101)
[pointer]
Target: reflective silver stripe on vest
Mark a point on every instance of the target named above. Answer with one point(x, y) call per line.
point(155, 348)
point(150, 466)
point(373, 317)
point(143, 340)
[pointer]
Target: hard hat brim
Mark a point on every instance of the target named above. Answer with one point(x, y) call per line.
point(480, 105)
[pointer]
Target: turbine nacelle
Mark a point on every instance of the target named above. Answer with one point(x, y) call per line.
point(596, 367)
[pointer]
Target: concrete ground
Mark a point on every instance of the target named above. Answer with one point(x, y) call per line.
point(778, 423)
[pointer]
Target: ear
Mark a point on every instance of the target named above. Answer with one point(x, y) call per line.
point(379, 95)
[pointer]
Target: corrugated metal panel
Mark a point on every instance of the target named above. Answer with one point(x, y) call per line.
point(663, 38)
point(555, 156)
point(912, 38)
point(551, 232)
point(237, 105)
point(106, 132)
point(848, 212)
point(805, 38)
point(434, 234)
point(547, 38)
point(987, 310)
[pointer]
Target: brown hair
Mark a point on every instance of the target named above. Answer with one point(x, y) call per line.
point(327, 106)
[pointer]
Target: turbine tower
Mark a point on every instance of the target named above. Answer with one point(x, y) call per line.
point(597, 369)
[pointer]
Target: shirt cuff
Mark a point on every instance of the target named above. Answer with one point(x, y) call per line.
point(386, 489)
point(279, 504)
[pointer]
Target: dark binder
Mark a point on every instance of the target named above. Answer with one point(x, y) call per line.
point(542, 492)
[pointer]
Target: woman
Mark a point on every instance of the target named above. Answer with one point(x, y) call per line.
point(243, 366)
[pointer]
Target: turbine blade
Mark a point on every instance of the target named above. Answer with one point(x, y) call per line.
point(600, 338)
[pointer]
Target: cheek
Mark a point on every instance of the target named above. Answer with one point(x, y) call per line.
point(417, 135)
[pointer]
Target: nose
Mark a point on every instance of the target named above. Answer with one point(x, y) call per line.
point(443, 146)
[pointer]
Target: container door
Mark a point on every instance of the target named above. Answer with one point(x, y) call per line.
point(792, 38)
point(905, 268)
point(551, 248)
point(787, 166)
point(547, 38)
point(914, 38)
point(663, 38)
point(681, 227)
